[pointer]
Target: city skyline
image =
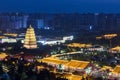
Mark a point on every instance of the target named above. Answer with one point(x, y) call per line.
point(60, 6)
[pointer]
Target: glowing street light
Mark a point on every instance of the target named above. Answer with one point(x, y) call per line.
point(98, 37)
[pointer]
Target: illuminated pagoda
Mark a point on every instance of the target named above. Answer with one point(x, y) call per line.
point(30, 39)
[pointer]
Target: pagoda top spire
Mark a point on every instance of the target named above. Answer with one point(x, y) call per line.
point(30, 26)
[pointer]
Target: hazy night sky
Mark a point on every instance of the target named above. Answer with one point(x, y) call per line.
point(53, 6)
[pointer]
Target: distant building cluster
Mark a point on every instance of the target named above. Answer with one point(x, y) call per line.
point(11, 21)
point(71, 22)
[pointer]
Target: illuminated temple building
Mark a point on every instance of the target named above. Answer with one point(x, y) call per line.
point(30, 39)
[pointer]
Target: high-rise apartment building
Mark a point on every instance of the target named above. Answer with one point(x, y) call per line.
point(13, 21)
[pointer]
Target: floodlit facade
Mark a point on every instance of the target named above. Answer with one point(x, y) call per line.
point(55, 41)
point(30, 39)
point(8, 40)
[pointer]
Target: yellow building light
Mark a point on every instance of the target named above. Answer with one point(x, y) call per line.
point(30, 39)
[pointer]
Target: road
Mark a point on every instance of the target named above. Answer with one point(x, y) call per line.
point(66, 53)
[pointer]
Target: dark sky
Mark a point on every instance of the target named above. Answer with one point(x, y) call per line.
point(53, 6)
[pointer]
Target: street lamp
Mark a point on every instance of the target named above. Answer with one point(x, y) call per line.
point(98, 37)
